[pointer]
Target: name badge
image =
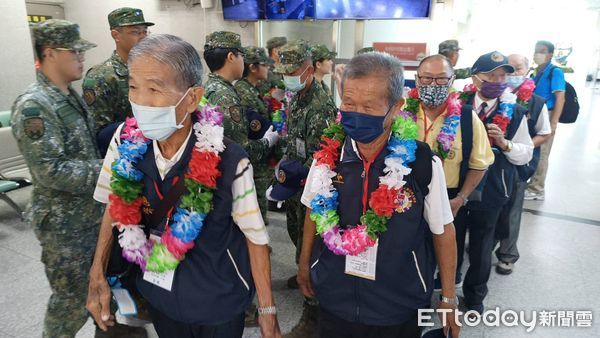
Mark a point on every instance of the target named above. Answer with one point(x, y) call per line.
point(124, 301)
point(364, 264)
point(164, 279)
point(300, 148)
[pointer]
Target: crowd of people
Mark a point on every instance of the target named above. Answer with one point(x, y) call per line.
point(151, 189)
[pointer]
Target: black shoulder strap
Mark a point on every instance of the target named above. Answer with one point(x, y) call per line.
point(466, 130)
point(422, 166)
point(168, 202)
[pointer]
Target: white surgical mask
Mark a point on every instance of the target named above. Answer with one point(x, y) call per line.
point(158, 123)
point(539, 58)
point(293, 84)
point(514, 81)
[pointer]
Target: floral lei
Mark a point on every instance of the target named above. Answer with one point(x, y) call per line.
point(447, 133)
point(200, 181)
point(506, 106)
point(390, 196)
point(279, 111)
point(525, 92)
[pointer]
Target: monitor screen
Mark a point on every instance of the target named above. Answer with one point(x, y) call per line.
point(372, 9)
point(252, 10)
point(243, 10)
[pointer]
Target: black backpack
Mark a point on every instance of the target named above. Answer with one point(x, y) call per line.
point(571, 108)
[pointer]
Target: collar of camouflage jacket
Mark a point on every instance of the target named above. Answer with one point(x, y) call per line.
point(118, 64)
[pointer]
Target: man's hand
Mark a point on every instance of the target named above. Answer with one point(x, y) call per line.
point(496, 135)
point(455, 204)
point(98, 301)
point(451, 320)
point(303, 280)
point(269, 326)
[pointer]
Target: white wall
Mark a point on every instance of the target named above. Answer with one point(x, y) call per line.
point(16, 52)
point(170, 16)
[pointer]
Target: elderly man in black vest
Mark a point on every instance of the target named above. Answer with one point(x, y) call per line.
point(378, 200)
point(509, 137)
point(538, 122)
point(183, 200)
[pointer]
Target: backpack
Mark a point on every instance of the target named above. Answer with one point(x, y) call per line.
point(571, 108)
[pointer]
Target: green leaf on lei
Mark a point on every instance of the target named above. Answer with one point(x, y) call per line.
point(375, 224)
point(161, 259)
point(325, 222)
point(198, 197)
point(405, 128)
point(128, 190)
point(335, 131)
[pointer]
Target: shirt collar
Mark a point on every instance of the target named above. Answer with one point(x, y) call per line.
point(479, 101)
point(164, 164)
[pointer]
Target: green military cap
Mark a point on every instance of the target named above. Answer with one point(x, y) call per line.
point(292, 56)
point(58, 33)
point(256, 55)
point(223, 39)
point(365, 50)
point(276, 42)
point(448, 46)
point(320, 52)
point(127, 16)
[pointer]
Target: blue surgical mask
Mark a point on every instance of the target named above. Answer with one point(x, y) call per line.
point(514, 81)
point(293, 84)
point(158, 123)
point(361, 127)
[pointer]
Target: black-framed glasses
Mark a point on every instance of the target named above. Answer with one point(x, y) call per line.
point(77, 52)
point(441, 81)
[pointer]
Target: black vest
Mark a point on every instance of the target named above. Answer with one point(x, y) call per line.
point(405, 258)
point(500, 175)
point(213, 284)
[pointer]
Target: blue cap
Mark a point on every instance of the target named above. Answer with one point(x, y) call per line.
point(291, 177)
point(490, 62)
point(257, 125)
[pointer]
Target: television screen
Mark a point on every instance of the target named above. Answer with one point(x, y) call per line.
point(372, 9)
point(243, 10)
point(252, 10)
point(288, 9)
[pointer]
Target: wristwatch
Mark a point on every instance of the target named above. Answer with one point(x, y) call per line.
point(464, 198)
point(451, 301)
point(268, 310)
point(509, 146)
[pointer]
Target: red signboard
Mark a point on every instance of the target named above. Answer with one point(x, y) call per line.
point(403, 51)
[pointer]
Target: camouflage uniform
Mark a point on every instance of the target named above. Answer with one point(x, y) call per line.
point(449, 46)
point(106, 85)
point(55, 134)
point(365, 50)
point(274, 80)
point(319, 53)
point(221, 92)
point(308, 115)
point(250, 98)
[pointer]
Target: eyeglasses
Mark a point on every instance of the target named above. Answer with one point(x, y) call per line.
point(441, 81)
point(139, 32)
point(76, 52)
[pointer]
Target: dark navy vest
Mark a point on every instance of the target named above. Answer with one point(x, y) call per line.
point(501, 174)
point(534, 110)
point(405, 258)
point(213, 284)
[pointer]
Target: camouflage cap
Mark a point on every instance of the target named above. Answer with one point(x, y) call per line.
point(256, 55)
point(365, 50)
point(320, 52)
point(292, 56)
point(276, 42)
point(448, 46)
point(223, 39)
point(58, 33)
point(127, 16)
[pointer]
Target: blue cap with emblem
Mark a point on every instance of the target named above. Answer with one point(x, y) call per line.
point(257, 124)
point(291, 177)
point(490, 62)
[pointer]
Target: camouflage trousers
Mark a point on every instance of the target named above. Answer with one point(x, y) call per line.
point(295, 212)
point(67, 260)
point(262, 181)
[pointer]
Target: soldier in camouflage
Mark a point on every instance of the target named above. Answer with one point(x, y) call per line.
point(256, 65)
point(224, 56)
point(310, 112)
point(322, 60)
point(450, 48)
point(274, 80)
point(105, 86)
point(55, 134)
